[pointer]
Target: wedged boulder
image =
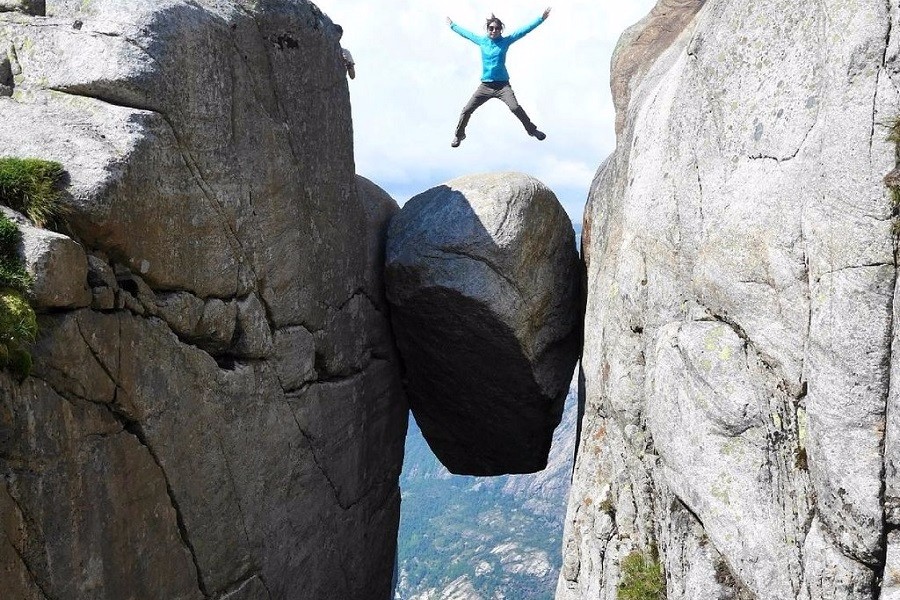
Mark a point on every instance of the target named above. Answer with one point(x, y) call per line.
point(483, 280)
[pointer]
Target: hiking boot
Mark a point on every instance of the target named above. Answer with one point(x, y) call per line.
point(540, 135)
point(457, 140)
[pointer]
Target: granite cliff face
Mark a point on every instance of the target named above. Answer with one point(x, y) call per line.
point(215, 388)
point(740, 418)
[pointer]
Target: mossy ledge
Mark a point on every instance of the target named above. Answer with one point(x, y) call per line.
point(18, 323)
point(29, 186)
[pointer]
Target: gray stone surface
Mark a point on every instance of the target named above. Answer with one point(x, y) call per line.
point(222, 417)
point(740, 310)
point(59, 268)
point(380, 209)
point(890, 586)
point(640, 46)
point(56, 262)
point(484, 285)
point(720, 431)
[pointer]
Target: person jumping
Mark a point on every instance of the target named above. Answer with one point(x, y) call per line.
point(494, 77)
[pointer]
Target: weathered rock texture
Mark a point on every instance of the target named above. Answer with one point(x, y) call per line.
point(641, 45)
point(739, 413)
point(215, 409)
point(483, 280)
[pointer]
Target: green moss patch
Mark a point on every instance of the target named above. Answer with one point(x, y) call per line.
point(18, 323)
point(891, 180)
point(893, 130)
point(13, 275)
point(895, 208)
point(642, 578)
point(9, 236)
point(18, 328)
point(32, 187)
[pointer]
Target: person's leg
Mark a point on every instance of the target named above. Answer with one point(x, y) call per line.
point(481, 95)
point(509, 97)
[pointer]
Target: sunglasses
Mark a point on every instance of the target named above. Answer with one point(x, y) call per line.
point(492, 28)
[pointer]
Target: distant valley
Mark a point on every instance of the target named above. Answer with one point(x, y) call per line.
point(471, 538)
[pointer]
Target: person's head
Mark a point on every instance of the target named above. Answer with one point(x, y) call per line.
point(339, 30)
point(494, 27)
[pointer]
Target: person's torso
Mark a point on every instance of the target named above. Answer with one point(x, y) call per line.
point(493, 59)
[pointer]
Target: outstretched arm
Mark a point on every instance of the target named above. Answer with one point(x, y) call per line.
point(520, 33)
point(348, 63)
point(463, 32)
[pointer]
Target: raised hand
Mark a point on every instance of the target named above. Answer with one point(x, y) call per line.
point(547, 13)
point(449, 21)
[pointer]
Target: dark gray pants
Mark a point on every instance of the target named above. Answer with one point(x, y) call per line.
point(486, 91)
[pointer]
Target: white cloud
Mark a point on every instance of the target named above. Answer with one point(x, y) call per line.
point(567, 173)
point(414, 75)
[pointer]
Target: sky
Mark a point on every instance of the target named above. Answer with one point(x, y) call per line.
point(413, 76)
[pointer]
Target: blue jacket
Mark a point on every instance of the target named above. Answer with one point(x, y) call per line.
point(493, 52)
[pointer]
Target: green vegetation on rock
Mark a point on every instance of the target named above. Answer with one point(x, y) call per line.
point(31, 186)
point(894, 130)
point(18, 327)
point(13, 275)
point(642, 578)
point(895, 208)
point(18, 323)
point(892, 179)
